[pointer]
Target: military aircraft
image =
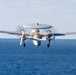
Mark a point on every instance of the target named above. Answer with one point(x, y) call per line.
point(36, 33)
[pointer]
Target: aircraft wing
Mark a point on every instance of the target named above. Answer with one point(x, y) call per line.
point(14, 33)
point(41, 33)
point(70, 33)
point(62, 34)
point(9, 32)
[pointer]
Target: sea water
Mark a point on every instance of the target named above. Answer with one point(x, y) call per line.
point(58, 59)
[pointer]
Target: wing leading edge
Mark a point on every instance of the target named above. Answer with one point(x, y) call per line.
point(63, 34)
point(9, 32)
point(14, 33)
point(40, 33)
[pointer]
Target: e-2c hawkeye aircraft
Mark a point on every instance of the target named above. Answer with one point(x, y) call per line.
point(36, 33)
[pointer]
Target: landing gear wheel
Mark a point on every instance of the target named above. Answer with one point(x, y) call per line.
point(48, 45)
point(24, 44)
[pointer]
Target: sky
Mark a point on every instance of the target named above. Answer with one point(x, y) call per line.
point(59, 13)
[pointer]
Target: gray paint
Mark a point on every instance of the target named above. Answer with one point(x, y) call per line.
point(37, 26)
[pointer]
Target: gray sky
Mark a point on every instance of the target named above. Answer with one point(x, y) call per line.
point(60, 13)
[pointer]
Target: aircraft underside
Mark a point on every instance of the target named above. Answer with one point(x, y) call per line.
point(36, 38)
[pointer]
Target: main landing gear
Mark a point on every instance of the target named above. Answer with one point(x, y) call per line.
point(48, 45)
point(24, 44)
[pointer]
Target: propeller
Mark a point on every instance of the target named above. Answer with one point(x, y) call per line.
point(20, 28)
point(52, 37)
point(53, 29)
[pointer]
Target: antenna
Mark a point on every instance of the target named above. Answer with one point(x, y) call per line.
point(37, 23)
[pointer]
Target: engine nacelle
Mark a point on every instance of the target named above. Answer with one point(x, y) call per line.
point(50, 37)
point(36, 43)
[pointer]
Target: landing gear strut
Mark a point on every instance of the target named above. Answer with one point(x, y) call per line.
point(48, 45)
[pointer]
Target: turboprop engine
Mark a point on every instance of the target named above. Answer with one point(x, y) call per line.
point(51, 37)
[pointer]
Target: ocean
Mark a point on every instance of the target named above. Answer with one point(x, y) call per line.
point(58, 59)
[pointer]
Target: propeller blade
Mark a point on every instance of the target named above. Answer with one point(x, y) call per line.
point(53, 29)
point(20, 28)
